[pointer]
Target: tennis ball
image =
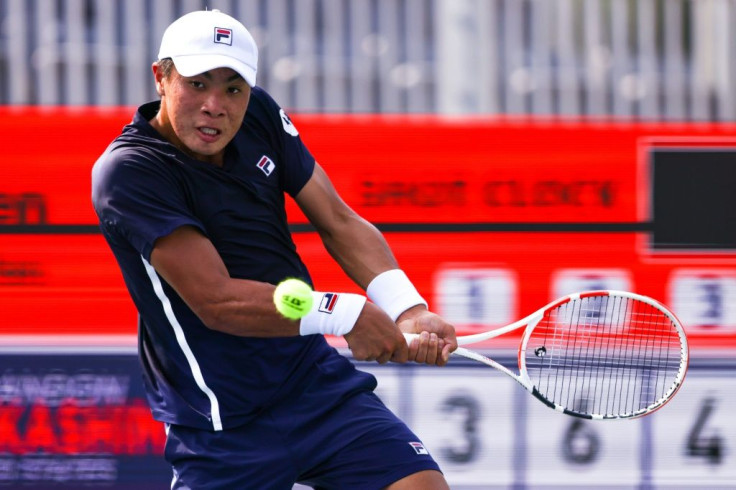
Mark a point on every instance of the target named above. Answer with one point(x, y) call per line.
point(293, 298)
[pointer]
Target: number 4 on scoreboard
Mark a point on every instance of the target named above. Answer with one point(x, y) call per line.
point(709, 447)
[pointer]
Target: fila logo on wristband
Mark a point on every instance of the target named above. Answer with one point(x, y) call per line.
point(329, 300)
point(329, 316)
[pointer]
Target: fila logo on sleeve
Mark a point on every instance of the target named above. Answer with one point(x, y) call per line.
point(266, 165)
point(419, 448)
point(224, 36)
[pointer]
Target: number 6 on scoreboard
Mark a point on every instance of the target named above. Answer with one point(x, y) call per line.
point(596, 354)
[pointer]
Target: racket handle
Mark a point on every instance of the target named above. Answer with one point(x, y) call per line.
point(410, 336)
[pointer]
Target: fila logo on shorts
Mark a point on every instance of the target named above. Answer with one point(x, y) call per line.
point(266, 165)
point(419, 448)
point(224, 36)
point(329, 300)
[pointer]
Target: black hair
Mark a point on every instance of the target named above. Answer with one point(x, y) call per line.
point(165, 65)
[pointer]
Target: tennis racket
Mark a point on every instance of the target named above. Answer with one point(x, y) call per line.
point(596, 354)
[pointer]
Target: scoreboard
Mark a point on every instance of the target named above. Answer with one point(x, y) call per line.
point(491, 218)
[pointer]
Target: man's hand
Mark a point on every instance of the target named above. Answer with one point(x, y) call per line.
point(376, 338)
point(436, 337)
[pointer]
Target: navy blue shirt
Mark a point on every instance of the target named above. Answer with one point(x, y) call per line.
point(143, 188)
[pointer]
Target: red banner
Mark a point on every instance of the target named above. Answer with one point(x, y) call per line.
point(450, 194)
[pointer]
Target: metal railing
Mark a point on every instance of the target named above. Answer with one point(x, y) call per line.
point(632, 59)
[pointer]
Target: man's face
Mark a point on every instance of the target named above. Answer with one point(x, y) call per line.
point(202, 113)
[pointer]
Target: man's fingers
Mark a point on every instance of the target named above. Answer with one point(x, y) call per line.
point(432, 349)
point(428, 348)
point(423, 346)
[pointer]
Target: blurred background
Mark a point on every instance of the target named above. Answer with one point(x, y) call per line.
point(511, 151)
point(642, 59)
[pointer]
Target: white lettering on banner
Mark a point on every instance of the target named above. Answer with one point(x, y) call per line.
point(54, 389)
point(35, 469)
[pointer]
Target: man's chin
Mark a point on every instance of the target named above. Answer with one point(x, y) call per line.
point(207, 154)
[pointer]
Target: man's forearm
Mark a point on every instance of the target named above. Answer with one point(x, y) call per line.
point(361, 251)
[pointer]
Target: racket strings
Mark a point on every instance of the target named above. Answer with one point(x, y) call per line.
point(605, 355)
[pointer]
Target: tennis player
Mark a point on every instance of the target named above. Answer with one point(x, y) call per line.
point(190, 198)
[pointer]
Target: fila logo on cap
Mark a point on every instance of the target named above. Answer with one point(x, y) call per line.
point(266, 165)
point(224, 36)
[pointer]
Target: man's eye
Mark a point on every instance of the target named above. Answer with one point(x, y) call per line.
point(196, 84)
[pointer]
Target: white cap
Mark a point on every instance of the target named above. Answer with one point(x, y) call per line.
point(204, 40)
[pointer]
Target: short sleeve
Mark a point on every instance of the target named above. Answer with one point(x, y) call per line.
point(138, 198)
point(284, 136)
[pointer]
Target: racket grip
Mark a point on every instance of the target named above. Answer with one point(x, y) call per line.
point(410, 336)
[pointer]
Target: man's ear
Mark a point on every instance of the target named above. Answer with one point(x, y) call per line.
point(158, 77)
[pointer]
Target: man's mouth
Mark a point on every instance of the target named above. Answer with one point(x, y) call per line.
point(209, 131)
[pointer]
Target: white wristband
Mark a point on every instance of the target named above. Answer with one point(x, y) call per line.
point(394, 293)
point(332, 313)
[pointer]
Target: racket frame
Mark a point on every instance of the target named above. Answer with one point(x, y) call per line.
point(531, 321)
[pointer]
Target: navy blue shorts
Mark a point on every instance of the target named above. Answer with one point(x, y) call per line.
point(357, 444)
